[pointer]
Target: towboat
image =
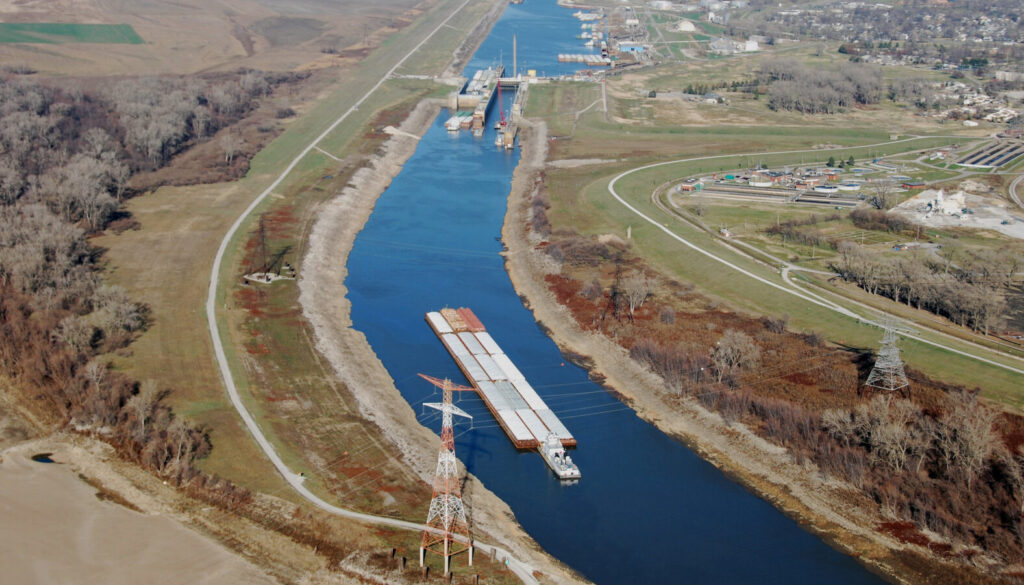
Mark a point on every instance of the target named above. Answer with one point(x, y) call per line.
point(557, 459)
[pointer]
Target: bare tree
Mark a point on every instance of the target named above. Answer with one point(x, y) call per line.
point(231, 145)
point(115, 315)
point(636, 289)
point(883, 192)
point(889, 434)
point(841, 425)
point(97, 141)
point(950, 250)
point(76, 332)
point(96, 373)
point(672, 363)
point(201, 121)
point(141, 405)
point(668, 315)
point(593, 291)
point(735, 350)
point(12, 182)
point(1013, 463)
point(966, 436)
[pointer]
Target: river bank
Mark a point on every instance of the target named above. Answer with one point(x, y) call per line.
point(834, 511)
point(325, 303)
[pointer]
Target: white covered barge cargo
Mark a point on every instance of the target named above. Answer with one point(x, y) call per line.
point(517, 407)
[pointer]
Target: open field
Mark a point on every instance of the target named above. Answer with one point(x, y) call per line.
point(194, 36)
point(58, 33)
point(651, 127)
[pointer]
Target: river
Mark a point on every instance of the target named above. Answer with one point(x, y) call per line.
point(648, 510)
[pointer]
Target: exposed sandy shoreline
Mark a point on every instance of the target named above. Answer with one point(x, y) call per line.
point(76, 538)
point(820, 505)
point(325, 305)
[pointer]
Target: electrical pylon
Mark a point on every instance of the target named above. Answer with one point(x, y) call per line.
point(447, 532)
point(888, 374)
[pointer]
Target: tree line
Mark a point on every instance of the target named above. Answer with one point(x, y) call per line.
point(798, 87)
point(966, 286)
point(66, 156)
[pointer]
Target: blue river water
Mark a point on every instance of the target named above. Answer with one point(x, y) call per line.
point(647, 510)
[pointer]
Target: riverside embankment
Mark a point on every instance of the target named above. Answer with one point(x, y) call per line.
point(649, 509)
point(827, 508)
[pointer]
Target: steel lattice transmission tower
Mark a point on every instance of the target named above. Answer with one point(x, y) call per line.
point(447, 532)
point(887, 374)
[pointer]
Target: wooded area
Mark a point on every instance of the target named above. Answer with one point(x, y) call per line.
point(966, 286)
point(796, 86)
point(66, 157)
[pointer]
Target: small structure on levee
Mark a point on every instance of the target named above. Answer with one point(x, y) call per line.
point(887, 375)
point(262, 263)
point(447, 531)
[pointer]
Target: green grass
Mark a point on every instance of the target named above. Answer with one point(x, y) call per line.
point(294, 367)
point(55, 33)
point(592, 210)
point(711, 29)
point(581, 200)
point(557, 104)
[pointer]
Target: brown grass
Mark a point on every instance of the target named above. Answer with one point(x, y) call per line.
point(198, 37)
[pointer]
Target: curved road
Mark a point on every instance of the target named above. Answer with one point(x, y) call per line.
point(521, 569)
point(788, 267)
point(1013, 191)
point(809, 297)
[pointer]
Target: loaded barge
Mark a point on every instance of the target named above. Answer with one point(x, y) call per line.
point(477, 95)
point(517, 407)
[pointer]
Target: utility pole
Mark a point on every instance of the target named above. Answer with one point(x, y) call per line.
point(261, 253)
point(447, 532)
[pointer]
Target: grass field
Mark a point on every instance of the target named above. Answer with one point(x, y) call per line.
point(192, 37)
point(55, 33)
point(608, 216)
point(285, 383)
point(581, 199)
point(167, 264)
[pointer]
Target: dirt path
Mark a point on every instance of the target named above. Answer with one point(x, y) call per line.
point(1013, 191)
point(826, 507)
